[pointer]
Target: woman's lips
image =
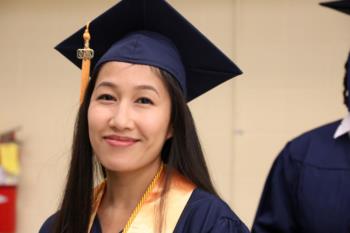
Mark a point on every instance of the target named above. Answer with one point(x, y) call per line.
point(120, 141)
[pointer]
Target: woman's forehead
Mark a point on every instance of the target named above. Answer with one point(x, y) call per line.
point(128, 73)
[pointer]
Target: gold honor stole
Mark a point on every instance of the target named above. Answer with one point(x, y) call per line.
point(177, 196)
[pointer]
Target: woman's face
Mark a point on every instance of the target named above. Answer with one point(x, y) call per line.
point(128, 116)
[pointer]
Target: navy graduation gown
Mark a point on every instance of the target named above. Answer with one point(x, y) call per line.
point(308, 188)
point(204, 213)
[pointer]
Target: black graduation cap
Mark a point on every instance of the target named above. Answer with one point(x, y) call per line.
point(161, 35)
point(343, 6)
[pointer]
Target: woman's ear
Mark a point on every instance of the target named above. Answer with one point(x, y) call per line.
point(169, 133)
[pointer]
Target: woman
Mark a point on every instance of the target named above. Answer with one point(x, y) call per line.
point(134, 121)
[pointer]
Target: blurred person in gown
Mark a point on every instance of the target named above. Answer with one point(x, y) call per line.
point(308, 187)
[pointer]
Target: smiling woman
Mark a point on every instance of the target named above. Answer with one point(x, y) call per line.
point(129, 118)
point(135, 122)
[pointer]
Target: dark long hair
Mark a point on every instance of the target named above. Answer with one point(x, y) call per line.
point(182, 152)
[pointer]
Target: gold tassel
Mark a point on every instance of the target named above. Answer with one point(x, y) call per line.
point(85, 54)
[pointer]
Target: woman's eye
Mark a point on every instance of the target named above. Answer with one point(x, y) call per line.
point(106, 97)
point(144, 100)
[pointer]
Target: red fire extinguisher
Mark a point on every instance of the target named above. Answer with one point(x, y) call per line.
point(9, 171)
point(7, 209)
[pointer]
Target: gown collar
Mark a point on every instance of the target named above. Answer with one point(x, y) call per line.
point(343, 128)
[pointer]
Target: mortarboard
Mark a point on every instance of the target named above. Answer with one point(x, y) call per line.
point(343, 6)
point(152, 32)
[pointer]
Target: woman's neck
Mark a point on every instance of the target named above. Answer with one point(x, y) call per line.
point(124, 190)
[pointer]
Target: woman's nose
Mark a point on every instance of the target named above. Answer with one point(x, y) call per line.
point(121, 118)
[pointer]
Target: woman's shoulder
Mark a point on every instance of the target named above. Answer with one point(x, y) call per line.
point(47, 226)
point(206, 212)
point(202, 200)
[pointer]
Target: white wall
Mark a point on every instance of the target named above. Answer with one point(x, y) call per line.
point(292, 53)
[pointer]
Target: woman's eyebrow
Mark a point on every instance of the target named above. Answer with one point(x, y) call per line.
point(138, 87)
point(147, 87)
point(106, 84)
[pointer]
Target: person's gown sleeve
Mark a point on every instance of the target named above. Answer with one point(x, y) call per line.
point(206, 213)
point(229, 225)
point(47, 226)
point(277, 208)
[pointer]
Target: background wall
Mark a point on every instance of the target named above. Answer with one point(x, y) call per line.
point(292, 53)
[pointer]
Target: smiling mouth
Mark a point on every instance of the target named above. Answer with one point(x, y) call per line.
point(119, 141)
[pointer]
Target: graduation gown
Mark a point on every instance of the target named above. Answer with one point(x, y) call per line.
point(203, 213)
point(308, 187)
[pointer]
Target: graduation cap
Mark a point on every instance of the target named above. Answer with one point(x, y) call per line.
point(343, 6)
point(152, 32)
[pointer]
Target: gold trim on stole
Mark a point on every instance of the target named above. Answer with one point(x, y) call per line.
point(97, 197)
point(177, 196)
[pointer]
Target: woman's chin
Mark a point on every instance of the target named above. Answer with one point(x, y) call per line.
point(117, 165)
